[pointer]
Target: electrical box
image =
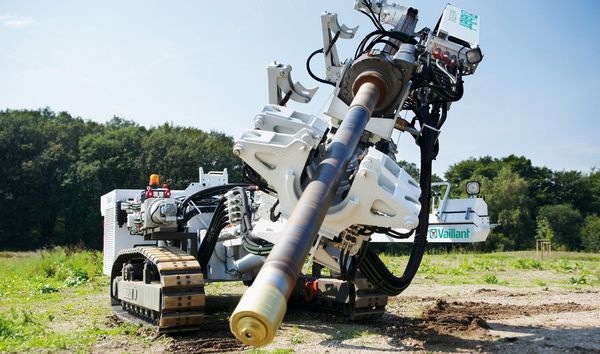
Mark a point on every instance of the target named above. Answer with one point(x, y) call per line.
point(459, 26)
point(116, 237)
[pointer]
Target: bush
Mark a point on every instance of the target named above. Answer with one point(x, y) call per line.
point(498, 242)
point(590, 234)
point(565, 222)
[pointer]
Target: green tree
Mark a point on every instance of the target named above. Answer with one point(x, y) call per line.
point(539, 179)
point(464, 170)
point(543, 231)
point(176, 153)
point(566, 223)
point(38, 150)
point(571, 187)
point(414, 171)
point(410, 168)
point(593, 181)
point(509, 207)
point(109, 159)
point(590, 234)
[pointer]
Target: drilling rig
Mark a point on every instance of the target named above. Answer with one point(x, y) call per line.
point(320, 189)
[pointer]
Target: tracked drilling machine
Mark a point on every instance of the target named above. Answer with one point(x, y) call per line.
point(320, 189)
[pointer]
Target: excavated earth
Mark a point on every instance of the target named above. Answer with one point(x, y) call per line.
point(438, 319)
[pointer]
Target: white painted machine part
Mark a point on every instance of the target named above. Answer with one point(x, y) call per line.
point(388, 13)
point(382, 194)
point(453, 221)
point(280, 156)
point(381, 128)
point(331, 28)
point(281, 84)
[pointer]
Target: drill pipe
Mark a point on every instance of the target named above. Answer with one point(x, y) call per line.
point(262, 307)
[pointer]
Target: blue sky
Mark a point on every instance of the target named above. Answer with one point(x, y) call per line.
point(202, 64)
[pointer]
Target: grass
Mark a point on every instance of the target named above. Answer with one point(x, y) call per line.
point(297, 337)
point(57, 300)
point(518, 269)
point(46, 300)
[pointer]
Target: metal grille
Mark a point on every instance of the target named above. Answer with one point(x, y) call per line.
point(109, 239)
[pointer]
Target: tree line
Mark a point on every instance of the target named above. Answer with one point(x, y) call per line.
point(55, 167)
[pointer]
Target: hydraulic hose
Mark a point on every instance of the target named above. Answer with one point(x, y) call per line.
point(371, 265)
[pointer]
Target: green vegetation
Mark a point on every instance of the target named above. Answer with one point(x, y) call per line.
point(57, 300)
point(490, 279)
point(297, 337)
point(526, 201)
point(54, 300)
point(564, 269)
point(591, 233)
point(55, 167)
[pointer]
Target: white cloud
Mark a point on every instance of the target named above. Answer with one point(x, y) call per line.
point(14, 21)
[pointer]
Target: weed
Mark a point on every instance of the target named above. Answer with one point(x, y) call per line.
point(522, 263)
point(47, 289)
point(466, 265)
point(6, 328)
point(77, 277)
point(580, 280)
point(482, 264)
point(29, 318)
point(297, 337)
point(541, 283)
point(566, 266)
point(490, 279)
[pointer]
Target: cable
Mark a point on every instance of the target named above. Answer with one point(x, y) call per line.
point(376, 22)
point(251, 243)
point(332, 43)
point(256, 179)
point(371, 265)
point(397, 35)
point(315, 77)
point(272, 215)
point(217, 223)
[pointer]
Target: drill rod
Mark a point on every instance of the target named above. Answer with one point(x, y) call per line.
point(262, 307)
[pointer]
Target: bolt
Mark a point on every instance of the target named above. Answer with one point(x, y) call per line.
point(259, 121)
point(410, 222)
point(237, 150)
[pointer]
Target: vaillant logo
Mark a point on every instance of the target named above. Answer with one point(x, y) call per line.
point(440, 232)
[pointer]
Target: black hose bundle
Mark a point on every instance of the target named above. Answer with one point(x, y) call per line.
point(252, 244)
point(219, 220)
point(371, 265)
point(204, 200)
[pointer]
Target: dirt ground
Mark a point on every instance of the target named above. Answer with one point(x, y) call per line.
point(438, 319)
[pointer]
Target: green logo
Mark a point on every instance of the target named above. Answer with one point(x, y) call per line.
point(468, 20)
point(441, 233)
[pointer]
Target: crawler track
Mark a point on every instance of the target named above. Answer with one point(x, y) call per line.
point(160, 286)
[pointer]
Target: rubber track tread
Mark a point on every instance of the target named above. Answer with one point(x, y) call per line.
point(182, 289)
point(369, 304)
